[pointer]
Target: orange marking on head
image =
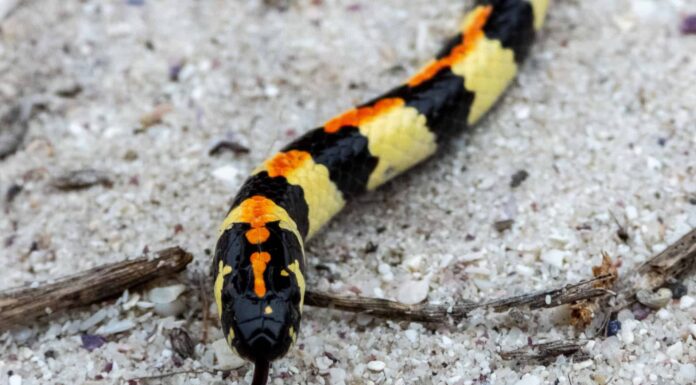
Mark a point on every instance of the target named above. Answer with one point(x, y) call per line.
point(257, 235)
point(285, 162)
point(257, 211)
point(472, 35)
point(357, 116)
point(259, 261)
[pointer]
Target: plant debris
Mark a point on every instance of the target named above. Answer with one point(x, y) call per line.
point(518, 178)
point(154, 117)
point(81, 179)
point(501, 226)
point(228, 145)
point(181, 342)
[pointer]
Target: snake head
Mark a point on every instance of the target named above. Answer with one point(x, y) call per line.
point(259, 289)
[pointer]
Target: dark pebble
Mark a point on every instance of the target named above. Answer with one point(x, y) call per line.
point(91, 342)
point(688, 25)
point(518, 177)
point(12, 192)
point(371, 247)
point(181, 342)
point(503, 225)
point(640, 312)
point(678, 289)
point(613, 327)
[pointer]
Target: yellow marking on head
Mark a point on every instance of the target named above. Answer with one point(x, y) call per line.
point(268, 310)
point(230, 336)
point(223, 270)
point(284, 273)
point(487, 71)
point(292, 334)
point(259, 261)
point(295, 269)
point(399, 139)
point(540, 7)
point(323, 198)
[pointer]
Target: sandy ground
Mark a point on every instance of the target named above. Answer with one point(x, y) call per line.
point(601, 117)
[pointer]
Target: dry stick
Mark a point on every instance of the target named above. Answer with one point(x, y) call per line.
point(439, 313)
point(675, 261)
point(94, 285)
point(547, 351)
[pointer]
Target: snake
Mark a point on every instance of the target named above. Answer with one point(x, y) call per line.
point(259, 263)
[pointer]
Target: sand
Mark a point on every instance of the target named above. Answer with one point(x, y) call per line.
point(601, 118)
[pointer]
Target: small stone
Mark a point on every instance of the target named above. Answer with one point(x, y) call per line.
point(413, 292)
point(15, 379)
point(663, 314)
point(613, 327)
point(686, 374)
point(554, 257)
point(227, 174)
point(640, 312)
point(412, 335)
point(376, 366)
point(518, 177)
point(692, 330)
point(688, 25)
point(686, 302)
point(529, 380)
point(501, 226)
point(337, 375)
point(226, 358)
point(676, 350)
point(678, 289)
point(656, 300)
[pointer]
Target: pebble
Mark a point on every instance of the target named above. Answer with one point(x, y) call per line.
point(686, 374)
point(613, 327)
point(663, 314)
point(376, 366)
point(679, 290)
point(412, 335)
point(226, 358)
point(337, 375)
point(413, 292)
point(655, 300)
point(692, 330)
point(686, 302)
point(15, 379)
point(554, 257)
point(529, 380)
point(228, 174)
point(676, 350)
point(627, 335)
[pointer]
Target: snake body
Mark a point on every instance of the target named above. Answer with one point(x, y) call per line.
point(259, 261)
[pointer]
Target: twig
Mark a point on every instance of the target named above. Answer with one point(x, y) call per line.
point(27, 302)
point(441, 313)
point(675, 261)
point(547, 352)
point(146, 379)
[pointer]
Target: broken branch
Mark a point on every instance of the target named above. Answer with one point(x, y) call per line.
point(25, 303)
